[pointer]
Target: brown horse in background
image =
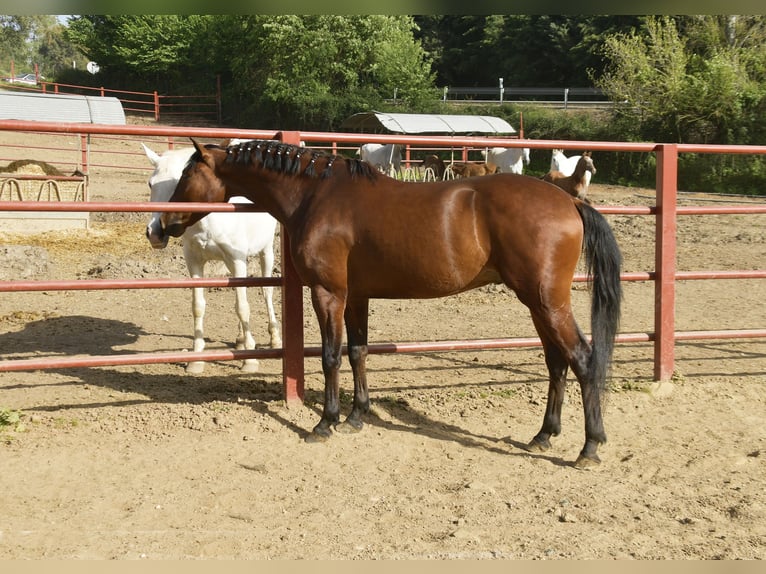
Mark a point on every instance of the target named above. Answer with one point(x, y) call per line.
point(356, 235)
point(576, 184)
point(434, 166)
point(466, 169)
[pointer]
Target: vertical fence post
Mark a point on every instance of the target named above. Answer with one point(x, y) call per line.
point(665, 261)
point(156, 107)
point(293, 373)
point(84, 152)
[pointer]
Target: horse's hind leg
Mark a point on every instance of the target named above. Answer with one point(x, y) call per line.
point(557, 382)
point(564, 346)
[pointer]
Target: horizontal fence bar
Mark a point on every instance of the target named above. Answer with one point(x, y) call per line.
point(99, 284)
point(46, 363)
point(150, 207)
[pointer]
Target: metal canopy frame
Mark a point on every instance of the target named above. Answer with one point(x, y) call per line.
point(377, 122)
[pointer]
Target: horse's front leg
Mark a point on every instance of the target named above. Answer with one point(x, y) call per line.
point(356, 331)
point(196, 270)
point(245, 339)
point(329, 308)
point(267, 270)
point(198, 311)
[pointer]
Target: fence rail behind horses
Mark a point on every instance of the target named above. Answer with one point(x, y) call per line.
point(664, 275)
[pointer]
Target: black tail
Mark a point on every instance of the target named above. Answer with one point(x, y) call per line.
point(603, 261)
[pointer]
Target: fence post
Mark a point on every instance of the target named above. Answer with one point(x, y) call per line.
point(84, 139)
point(665, 261)
point(156, 107)
point(293, 373)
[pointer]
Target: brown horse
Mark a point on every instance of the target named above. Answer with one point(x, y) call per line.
point(356, 234)
point(576, 184)
point(466, 169)
point(436, 166)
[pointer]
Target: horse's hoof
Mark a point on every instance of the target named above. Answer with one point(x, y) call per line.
point(349, 427)
point(195, 367)
point(320, 433)
point(276, 342)
point(586, 462)
point(250, 366)
point(538, 445)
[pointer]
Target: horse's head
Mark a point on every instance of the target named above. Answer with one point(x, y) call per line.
point(587, 162)
point(162, 182)
point(197, 183)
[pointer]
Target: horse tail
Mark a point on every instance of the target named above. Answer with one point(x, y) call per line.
point(603, 261)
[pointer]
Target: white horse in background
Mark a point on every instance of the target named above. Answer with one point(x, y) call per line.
point(567, 165)
point(386, 157)
point(507, 159)
point(227, 237)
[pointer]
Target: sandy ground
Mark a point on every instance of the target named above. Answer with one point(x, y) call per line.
point(149, 462)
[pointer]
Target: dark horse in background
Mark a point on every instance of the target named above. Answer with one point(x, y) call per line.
point(356, 234)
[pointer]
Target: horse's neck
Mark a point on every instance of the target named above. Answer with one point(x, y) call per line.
point(579, 173)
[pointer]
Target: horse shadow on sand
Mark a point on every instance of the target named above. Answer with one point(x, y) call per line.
point(92, 336)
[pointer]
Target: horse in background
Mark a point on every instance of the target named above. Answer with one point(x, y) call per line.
point(467, 169)
point(434, 168)
point(575, 184)
point(385, 157)
point(507, 160)
point(566, 165)
point(227, 237)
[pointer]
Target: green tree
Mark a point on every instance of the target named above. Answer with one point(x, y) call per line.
point(134, 51)
point(18, 35)
point(298, 71)
point(707, 87)
point(55, 53)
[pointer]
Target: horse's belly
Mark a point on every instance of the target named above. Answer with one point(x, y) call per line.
point(393, 282)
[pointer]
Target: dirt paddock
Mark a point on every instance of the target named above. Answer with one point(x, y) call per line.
point(147, 462)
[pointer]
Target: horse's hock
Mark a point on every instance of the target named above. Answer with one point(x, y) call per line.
point(31, 184)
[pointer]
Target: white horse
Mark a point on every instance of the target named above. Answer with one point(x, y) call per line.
point(227, 237)
point(386, 157)
point(507, 159)
point(567, 165)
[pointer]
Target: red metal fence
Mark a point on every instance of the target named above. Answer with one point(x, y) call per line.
point(664, 275)
point(160, 106)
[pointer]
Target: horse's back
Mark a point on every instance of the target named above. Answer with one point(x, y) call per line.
point(437, 238)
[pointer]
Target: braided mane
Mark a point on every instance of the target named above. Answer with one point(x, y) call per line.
point(288, 159)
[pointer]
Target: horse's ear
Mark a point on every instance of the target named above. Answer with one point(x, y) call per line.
point(151, 154)
point(586, 153)
point(202, 151)
point(197, 146)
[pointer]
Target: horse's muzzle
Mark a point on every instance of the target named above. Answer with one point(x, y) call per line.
point(157, 238)
point(174, 224)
